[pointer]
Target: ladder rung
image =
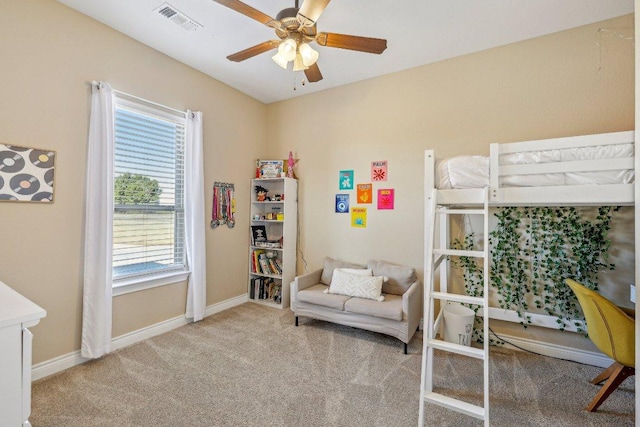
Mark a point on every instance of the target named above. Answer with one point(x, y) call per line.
point(455, 404)
point(447, 211)
point(456, 252)
point(465, 299)
point(464, 350)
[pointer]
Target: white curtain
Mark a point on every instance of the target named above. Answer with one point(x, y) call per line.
point(98, 251)
point(194, 221)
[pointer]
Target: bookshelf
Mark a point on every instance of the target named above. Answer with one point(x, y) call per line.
point(272, 234)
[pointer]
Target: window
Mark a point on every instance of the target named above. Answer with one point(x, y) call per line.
point(148, 218)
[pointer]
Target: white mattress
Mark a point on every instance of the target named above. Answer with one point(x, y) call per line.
point(473, 171)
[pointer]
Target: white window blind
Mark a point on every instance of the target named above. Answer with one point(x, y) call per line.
point(148, 223)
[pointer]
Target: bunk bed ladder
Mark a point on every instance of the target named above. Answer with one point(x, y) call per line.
point(437, 259)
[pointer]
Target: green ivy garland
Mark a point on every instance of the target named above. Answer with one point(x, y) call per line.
point(533, 250)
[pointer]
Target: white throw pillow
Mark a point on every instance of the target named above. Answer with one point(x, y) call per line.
point(356, 285)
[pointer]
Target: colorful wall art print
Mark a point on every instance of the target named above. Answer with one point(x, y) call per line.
point(346, 180)
point(342, 203)
point(359, 217)
point(365, 193)
point(379, 170)
point(385, 198)
point(26, 174)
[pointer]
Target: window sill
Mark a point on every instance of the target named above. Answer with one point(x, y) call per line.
point(135, 284)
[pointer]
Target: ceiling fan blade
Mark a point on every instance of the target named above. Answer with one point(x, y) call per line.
point(311, 11)
point(247, 10)
point(345, 41)
point(253, 51)
point(313, 73)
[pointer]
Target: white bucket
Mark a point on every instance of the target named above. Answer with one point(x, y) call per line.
point(458, 324)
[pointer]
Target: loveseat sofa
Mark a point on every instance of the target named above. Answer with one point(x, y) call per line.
point(398, 315)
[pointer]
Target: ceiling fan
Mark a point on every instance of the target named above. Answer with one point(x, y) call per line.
point(296, 28)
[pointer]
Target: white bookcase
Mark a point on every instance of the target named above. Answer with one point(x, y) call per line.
point(272, 262)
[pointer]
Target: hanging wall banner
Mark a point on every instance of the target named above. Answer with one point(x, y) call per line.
point(26, 174)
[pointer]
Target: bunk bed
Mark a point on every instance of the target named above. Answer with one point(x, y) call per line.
point(576, 171)
point(591, 170)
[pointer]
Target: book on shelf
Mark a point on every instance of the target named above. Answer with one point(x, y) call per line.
point(255, 260)
point(254, 292)
point(264, 264)
point(277, 294)
point(273, 266)
point(273, 292)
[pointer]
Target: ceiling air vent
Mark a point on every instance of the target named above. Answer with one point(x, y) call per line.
point(177, 17)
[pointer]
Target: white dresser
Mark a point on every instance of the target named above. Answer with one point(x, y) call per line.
point(16, 315)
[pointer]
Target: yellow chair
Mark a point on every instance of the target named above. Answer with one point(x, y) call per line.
point(611, 329)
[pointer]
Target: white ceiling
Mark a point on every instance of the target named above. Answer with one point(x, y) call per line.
point(418, 32)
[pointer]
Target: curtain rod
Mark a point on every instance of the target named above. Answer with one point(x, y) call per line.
point(137, 98)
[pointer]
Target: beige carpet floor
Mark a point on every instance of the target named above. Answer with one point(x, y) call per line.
point(250, 366)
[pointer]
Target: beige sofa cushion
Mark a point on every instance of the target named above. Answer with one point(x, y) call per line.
point(390, 308)
point(316, 295)
point(330, 264)
point(400, 277)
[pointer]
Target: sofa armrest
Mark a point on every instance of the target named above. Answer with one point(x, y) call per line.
point(304, 281)
point(411, 303)
point(309, 279)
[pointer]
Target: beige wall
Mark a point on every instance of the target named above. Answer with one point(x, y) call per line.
point(570, 83)
point(49, 52)
point(557, 85)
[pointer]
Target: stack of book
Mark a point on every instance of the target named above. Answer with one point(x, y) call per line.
point(266, 263)
point(265, 288)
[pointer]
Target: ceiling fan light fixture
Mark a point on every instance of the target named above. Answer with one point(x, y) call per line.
point(298, 63)
point(287, 49)
point(309, 55)
point(278, 59)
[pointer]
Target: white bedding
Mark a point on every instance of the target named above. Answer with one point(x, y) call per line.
point(473, 171)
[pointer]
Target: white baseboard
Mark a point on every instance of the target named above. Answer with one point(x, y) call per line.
point(66, 361)
point(553, 350)
point(558, 351)
point(227, 304)
point(540, 320)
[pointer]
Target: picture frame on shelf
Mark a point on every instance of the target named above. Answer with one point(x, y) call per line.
point(270, 168)
point(258, 234)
